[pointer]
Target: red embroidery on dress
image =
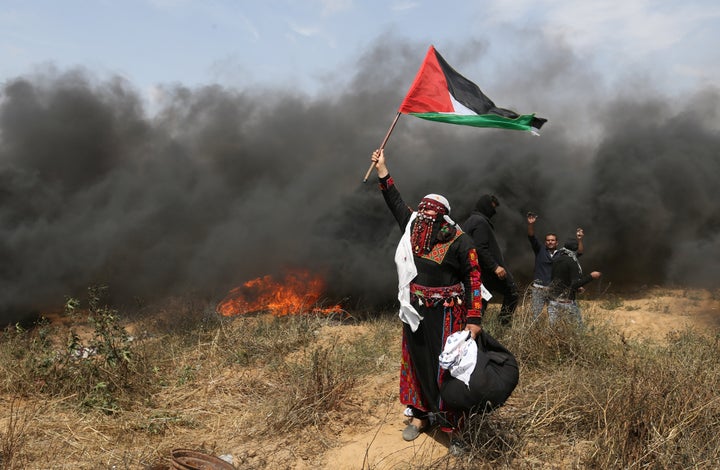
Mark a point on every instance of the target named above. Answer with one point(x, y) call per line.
point(384, 185)
point(439, 251)
point(475, 283)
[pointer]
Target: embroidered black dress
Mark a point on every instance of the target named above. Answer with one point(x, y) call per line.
point(446, 293)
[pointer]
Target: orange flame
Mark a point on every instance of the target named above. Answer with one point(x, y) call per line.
point(298, 293)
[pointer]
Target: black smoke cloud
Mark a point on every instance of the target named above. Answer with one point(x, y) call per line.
point(222, 185)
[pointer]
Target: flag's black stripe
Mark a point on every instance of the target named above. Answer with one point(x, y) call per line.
point(470, 95)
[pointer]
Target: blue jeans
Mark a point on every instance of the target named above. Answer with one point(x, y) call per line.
point(540, 297)
point(568, 308)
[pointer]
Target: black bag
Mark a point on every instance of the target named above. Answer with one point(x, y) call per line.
point(492, 381)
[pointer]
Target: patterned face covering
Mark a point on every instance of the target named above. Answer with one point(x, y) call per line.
point(426, 227)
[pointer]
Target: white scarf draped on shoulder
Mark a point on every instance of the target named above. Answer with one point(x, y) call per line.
point(406, 273)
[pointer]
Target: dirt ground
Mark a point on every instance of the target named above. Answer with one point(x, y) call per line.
point(657, 312)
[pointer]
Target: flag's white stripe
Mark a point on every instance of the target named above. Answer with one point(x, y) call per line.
point(460, 108)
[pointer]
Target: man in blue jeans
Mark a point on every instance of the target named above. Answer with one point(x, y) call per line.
point(544, 254)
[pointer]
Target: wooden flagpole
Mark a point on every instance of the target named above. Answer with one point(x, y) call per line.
point(382, 146)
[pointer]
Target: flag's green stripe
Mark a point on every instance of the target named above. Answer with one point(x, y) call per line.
point(521, 123)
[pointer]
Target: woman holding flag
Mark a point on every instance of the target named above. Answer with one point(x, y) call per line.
point(439, 290)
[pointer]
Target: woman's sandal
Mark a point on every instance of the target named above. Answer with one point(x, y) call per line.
point(411, 431)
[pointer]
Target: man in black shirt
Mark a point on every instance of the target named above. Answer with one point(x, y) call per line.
point(567, 279)
point(495, 275)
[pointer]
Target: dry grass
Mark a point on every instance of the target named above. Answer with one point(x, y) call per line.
point(280, 392)
point(271, 389)
point(590, 398)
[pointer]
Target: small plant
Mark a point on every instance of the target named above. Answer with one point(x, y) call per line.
point(658, 305)
point(72, 305)
point(187, 375)
point(101, 397)
point(612, 302)
point(111, 341)
point(693, 296)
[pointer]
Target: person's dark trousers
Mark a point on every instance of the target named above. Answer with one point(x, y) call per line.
point(505, 287)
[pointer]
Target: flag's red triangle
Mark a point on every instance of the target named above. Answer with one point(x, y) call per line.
point(429, 91)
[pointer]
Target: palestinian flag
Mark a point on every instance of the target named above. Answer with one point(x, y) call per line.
point(441, 94)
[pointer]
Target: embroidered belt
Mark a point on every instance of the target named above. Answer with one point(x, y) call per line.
point(432, 296)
